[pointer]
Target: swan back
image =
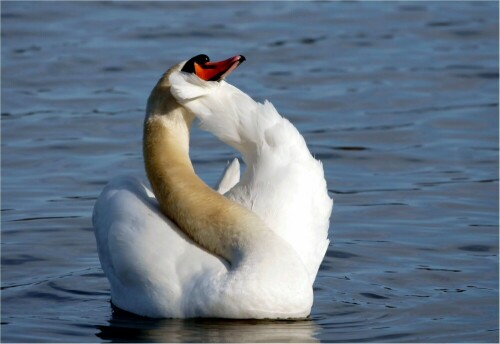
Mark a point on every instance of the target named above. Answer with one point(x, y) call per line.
point(155, 270)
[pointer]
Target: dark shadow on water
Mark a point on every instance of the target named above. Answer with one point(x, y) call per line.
point(127, 327)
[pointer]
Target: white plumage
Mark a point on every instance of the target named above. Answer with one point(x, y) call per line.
point(156, 270)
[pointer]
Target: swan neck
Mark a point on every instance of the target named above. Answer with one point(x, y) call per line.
point(217, 224)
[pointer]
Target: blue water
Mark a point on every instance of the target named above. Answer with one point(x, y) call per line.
point(398, 99)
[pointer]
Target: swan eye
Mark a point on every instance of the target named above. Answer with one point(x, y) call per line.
point(204, 58)
point(198, 59)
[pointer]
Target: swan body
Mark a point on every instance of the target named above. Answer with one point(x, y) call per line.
point(251, 249)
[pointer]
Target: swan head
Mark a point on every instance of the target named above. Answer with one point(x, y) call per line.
point(199, 76)
point(189, 80)
point(201, 66)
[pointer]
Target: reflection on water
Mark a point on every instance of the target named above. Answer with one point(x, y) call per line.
point(126, 327)
point(399, 101)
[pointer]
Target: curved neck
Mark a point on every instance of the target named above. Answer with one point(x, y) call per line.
point(215, 223)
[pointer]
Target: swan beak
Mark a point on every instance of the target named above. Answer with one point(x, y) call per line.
point(217, 71)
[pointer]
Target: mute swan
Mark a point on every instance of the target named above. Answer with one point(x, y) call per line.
point(185, 250)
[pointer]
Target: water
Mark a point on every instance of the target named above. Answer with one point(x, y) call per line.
point(398, 99)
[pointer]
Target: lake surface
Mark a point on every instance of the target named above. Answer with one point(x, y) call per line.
point(398, 99)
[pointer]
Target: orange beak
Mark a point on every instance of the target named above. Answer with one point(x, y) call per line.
point(217, 71)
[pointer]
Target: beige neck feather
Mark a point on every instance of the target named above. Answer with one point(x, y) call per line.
point(214, 222)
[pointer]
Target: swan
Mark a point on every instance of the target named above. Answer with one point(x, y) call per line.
point(252, 247)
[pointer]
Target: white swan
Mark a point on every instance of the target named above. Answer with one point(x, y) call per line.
point(253, 252)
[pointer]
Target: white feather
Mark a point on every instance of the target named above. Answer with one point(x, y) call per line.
point(282, 183)
point(230, 177)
